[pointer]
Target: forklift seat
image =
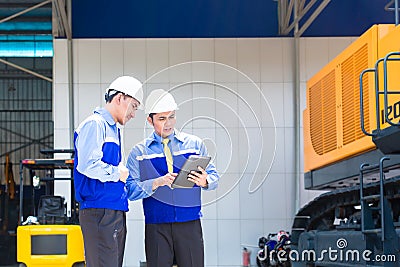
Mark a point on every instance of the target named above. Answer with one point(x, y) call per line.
point(51, 210)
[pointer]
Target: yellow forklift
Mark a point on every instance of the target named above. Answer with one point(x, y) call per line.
point(50, 236)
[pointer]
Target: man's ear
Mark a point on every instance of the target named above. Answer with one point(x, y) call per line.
point(119, 97)
point(149, 120)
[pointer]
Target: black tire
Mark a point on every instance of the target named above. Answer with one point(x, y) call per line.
point(261, 263)
point(258, 262)
point(78, 264)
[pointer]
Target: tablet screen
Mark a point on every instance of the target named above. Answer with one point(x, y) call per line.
point(191, 164)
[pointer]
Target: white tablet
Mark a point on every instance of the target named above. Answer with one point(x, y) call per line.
point(191, 164)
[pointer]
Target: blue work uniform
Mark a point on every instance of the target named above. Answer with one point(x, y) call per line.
point(102, 197)
point(147, 162)
point(173, 231)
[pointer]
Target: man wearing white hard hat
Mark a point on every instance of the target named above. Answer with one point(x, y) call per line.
point(99, 175)
point(172, 216)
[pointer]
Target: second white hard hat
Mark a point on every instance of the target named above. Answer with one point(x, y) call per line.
point(159, 101)
point(127, 85)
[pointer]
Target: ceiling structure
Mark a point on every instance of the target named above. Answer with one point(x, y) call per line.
point(25, 17)
point(41, 20)
point(31, 25)
point(27, 27)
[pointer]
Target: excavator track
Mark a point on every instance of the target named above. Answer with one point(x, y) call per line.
point(316, 214)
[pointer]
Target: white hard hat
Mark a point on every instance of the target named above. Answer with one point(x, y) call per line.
point(127, 85)
point(159, 101)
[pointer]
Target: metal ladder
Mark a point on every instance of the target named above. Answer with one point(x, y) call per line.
point(389, 242)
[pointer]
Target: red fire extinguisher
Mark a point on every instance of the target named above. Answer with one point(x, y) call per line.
point(246, 257)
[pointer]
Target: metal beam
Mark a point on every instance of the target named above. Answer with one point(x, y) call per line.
point(286, 12)
point(26, 70)
point(312, 17)
point(289, 13)
point(10, 5)
point(62, 17)
point(32, 19)
point(25, 11)
point(301, 12)
point(25, 32)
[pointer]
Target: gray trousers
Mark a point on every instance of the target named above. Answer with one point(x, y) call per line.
point(104, 235)
point(180, 241)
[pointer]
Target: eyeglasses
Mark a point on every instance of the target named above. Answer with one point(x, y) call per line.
point(135, 106)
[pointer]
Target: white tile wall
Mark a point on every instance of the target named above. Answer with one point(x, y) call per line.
point(251, 200)
point(134, 58)
point(249, 105)
point(316, 55)
point(248, 60)
point(183, 94)
point(60, 105)
point(289, 105)
point(203, 60)
point(275, 197)
point(289, 153)
point(89, 61)
point(289, 60)
point(272, 105)
point(227, 141)
point(273, 149)
point(209, 208)
point(111, 59)
point(302, 59)
point(252, 150)
point(180, 56)
point(62, 138)
point(135, 211)
point(250, 232)
point(87, 98)
point(229, 249)
point(337, 45)
point(134, 240)
point(210, 236)
point(75, 60)
point(226, 106)
point(204, 104)
point(132, 136)
point(271, 55)
point(228, 199)
point(61, 50)
point(212, 92)
point(290, 191)
point(226, 59)
point(157, 60)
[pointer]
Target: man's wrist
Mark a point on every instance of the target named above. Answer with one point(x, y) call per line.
point(155, 184)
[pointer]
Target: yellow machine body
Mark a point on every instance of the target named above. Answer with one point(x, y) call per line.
point(50, 245)
point(331, 120)
point(390, 43)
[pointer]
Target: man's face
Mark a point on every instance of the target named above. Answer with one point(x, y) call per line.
point(163, 123)
point(129, 105)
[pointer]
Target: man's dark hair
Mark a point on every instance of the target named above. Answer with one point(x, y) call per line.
point(109, 97)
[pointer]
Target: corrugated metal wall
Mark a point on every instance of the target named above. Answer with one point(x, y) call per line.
point(26, 123)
